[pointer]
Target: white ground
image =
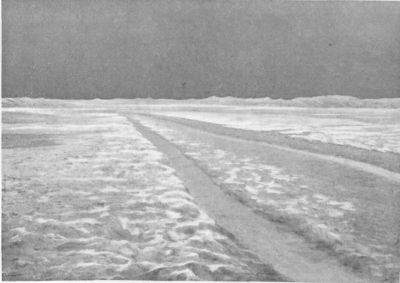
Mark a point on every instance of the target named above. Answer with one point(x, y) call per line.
point(288, 197)
point(264, 184)
point(373, 129)
point(103, 204)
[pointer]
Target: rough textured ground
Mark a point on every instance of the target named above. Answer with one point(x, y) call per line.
point(86, 196)
point(290, 253)
point(346, 212)
point(371, 129)
point(386, 160)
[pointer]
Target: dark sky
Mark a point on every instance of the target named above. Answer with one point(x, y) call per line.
point(182, 49)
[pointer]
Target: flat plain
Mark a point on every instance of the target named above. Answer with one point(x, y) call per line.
point(194, 190)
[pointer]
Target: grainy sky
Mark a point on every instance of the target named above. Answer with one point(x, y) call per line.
point(182, 49)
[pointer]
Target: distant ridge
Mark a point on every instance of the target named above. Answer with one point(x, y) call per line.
point(332, 101)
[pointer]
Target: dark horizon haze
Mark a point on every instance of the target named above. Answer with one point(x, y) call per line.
point(195, 49)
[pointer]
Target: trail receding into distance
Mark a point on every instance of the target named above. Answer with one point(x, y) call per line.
point(362, 166)
point(287, 252)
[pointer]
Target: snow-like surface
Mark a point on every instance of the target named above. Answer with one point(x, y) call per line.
point(372, 124)
point(103, 202)
point(104, 205)
point(284, 197)
point(264, 183)
point(372, 129)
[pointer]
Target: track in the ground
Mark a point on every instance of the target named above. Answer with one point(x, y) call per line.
point(362, 166)
point(287, 252)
